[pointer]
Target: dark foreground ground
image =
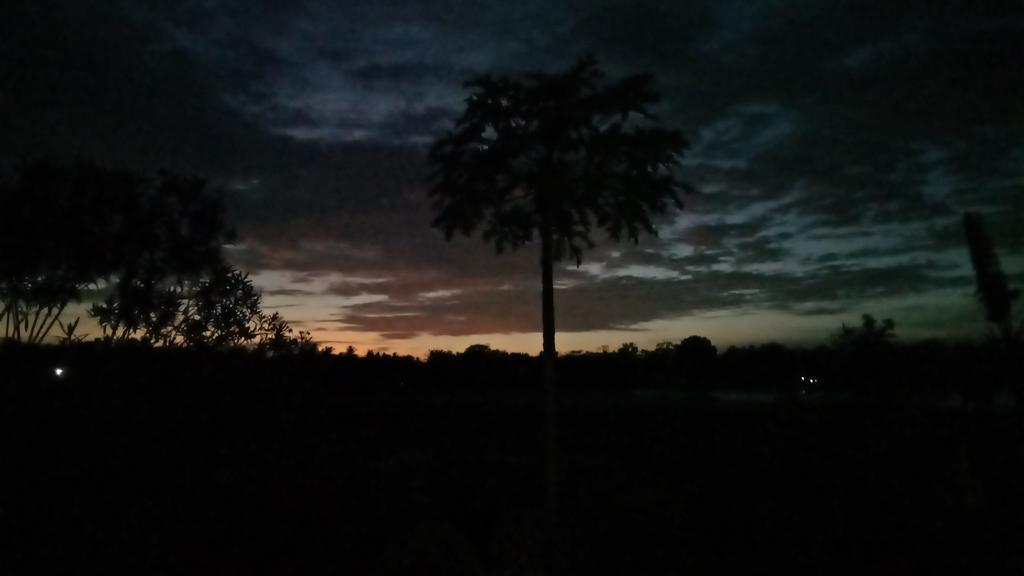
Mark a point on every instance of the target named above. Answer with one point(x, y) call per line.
point(169, 465)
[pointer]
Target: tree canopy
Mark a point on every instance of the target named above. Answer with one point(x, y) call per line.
point(565, 152)
point(553, 156)
point(64, 229)
point(151, 246)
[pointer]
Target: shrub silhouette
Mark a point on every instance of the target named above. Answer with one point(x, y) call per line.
point(696, 357)
point(60, 235)
point(869, 336)
point(154, 245)
point(992, 288)
point(171, 231)
point(221, 309)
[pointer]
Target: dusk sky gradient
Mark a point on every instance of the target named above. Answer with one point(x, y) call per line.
point(835, 145)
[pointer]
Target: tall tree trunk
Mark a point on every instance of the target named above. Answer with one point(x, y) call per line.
point(551, 460)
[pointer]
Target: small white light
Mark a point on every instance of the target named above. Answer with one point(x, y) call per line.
point(58, 372)
point(802, 379)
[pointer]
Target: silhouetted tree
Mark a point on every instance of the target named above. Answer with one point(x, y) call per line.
point(60, 233)
point(274, 336)
point(479, 350)
point(223, 311)
point(551, 156)
point(992, 288)
point(865, 354)
point(170, 234)
point(629, 349)
point(554, 156)
point(869, 336)
point(696, 356)
point(153, 245)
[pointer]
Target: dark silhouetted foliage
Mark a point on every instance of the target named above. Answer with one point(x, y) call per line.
point(220, 309)
point(550, 156)
point(169, 266)
point(153, 246)
point(870, 335)
point(696, 357)
point(992, 288)
point(62, 231)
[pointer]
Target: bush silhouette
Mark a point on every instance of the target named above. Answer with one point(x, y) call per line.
point(62, 232)
point(154, 245)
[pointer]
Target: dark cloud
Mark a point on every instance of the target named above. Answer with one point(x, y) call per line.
point(760, 250)
point(620, 303)
point(834, 143)
point(91, 81)
point(288, 292)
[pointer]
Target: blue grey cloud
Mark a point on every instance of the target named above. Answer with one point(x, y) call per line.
point(834, 143)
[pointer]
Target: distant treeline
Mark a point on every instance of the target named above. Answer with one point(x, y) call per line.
point(858, 368)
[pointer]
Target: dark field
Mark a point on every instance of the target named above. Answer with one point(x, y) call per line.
point(173, 462)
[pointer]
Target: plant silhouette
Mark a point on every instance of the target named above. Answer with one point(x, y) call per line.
point(59, 236)
point(551, 156)
point(869, 336)
point(154, 246)
point(992, 288)
point(169, 234)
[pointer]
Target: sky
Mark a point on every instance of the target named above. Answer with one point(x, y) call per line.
point(834, 145)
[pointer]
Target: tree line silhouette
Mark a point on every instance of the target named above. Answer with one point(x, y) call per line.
point(154, 451)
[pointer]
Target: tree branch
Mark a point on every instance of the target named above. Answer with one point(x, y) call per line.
point(32, 335)
point(60, 311)
point(17, 321)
